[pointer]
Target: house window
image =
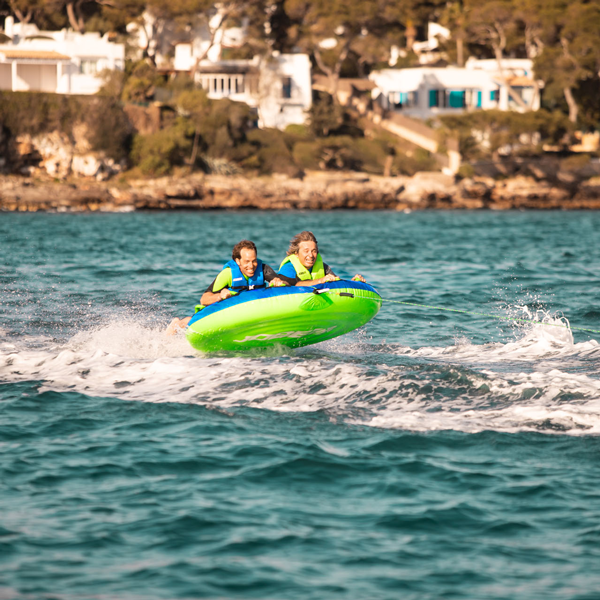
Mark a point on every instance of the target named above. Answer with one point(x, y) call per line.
point(494, 95)
point(88, 66)
point(239, 85)
point(434, 98)
point(400, 100)
point(456, 99)
point(286, 87)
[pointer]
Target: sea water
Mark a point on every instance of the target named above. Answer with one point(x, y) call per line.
point(432, 454)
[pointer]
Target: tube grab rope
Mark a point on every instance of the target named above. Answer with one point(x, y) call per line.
point(479, 314)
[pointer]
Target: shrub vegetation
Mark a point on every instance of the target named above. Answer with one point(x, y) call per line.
point(493, 132)
point(107, 125)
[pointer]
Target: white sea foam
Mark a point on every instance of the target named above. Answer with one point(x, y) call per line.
point(534, 342)
point(131, 339)
point(542, 381)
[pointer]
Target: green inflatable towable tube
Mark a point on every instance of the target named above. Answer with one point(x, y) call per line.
point(283, 316)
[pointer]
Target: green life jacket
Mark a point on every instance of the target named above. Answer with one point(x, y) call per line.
point(317, 272)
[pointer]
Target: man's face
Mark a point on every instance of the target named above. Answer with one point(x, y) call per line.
point(307, 253)
point(247, 261)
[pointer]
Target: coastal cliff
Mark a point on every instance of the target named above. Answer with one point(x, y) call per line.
point(317, 191)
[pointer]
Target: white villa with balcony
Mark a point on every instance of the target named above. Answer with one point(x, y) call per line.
point(62, 62)
point(278, 87)
point(424, 92)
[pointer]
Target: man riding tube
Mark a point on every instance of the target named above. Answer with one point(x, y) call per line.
point(304, 265)
point(243, 272)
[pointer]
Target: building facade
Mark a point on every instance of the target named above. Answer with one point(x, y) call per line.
point(278, 87)
point(424, 92)
point(62, 62)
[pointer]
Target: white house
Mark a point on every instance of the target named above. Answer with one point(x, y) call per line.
point(424, 92)
point(518, 73)
point(279, 87)
point(63, 62)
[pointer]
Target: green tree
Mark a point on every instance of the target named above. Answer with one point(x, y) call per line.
point(195, 105)
point(77, 12)
point(141, 83)
point(24, 10)
point(354, 26)
point(44, 13)
point(566, 50)
point(580, 50)
point(493, 24)
point(118, 13)
point(455, 18)
point(216, 18)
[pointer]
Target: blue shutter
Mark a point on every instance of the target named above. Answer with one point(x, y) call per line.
point(433, 98)
point(479, 98)
point(456, 99)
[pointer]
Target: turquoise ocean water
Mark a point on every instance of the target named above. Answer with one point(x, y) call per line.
point(430, 455)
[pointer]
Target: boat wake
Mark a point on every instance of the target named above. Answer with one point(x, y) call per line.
point(541, 381)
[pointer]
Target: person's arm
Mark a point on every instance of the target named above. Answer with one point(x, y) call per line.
point(276, 279)
point(209, 298)
point(325, 279)
point(218, 289)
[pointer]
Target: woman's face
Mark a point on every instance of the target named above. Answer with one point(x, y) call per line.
point(307, 253)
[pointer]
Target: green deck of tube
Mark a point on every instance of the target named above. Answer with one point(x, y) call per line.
point(292, 321)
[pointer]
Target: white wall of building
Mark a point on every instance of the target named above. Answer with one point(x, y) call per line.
point(279, 87)
point(6, 77)
point(88, 55)
point(285, 91)
point(518, 72)
point(35, 77)
point(184, 59)
point(428, 91)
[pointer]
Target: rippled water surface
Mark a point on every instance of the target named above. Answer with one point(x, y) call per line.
point(430, 455)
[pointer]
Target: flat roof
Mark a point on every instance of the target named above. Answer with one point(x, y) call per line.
point(32, 54)
point(410, 79)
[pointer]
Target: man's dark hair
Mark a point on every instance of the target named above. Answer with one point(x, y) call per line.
point(237, 249)
point(303, 236)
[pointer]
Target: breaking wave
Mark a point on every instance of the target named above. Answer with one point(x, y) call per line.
point(540, 381)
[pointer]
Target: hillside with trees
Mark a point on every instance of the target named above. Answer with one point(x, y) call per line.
point(559, 36)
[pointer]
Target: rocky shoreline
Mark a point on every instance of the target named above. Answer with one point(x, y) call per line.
point(317, 191)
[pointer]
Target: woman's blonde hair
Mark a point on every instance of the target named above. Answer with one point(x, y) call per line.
point(303, 236)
